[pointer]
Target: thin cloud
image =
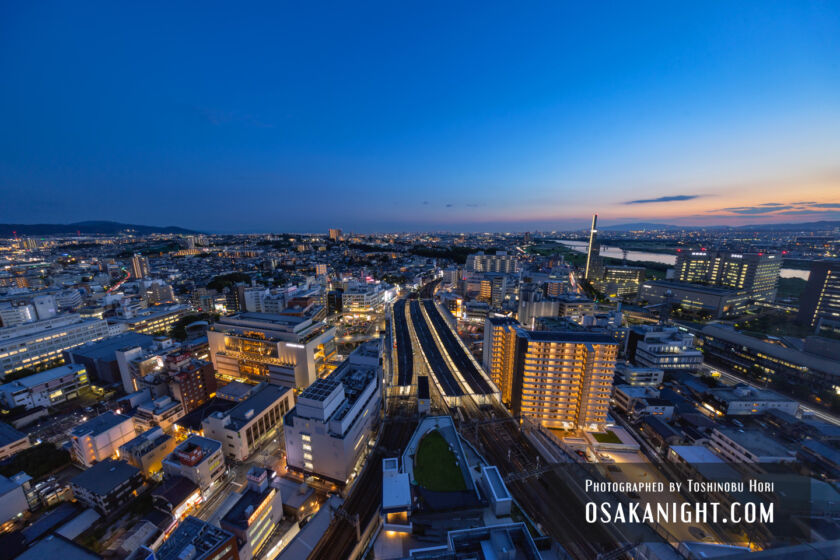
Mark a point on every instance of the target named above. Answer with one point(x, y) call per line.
point(672, 198)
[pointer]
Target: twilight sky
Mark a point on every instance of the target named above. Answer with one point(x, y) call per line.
point(390, 116)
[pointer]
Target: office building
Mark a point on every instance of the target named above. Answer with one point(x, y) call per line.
point(100, 358)
point(33, 345)
point(667, 348)
point(501, 262)
point(162, 412)
point(195, 539)
point(744, 400)
point(13, 500)
point(620, 281)
point(255, 514)
point(107, 485)
point(713, 301)
point(755, 273)
point(639, 376)
point(198, 459)
point(562, 379)
point(321, 269)
point(593, 250)
point(139, 267)
point(47, 388)
point(745, 355)
point(820, 301)
point(335, 234)
point(287, 350)
point(11, 441)
point(100, 438)
point(147, 451)
point(153, 320)
point(365, 297)
point(245, 426)
point(328, 430)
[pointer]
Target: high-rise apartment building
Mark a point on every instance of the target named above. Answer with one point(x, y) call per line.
point(820, 301)
point(139, 266)
point(757, 273)
point(562, 379)
point(500, 262)
point(335, 234)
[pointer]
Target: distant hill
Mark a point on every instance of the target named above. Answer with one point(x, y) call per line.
point(640, 225)
point(87, 228)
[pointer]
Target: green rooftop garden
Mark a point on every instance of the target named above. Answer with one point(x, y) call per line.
point(606, 437)
point(434, 465)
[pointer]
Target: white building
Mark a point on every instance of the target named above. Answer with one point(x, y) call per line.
point(46, 388)
point(500, 262)
point(199, 459)
point(745, 400)
point(33, 344)
point(328, 430)
point(639, 376)
point(256, 514)
point(287, 350)
point(163, 411)
point(667, 348)
point(101, 437)
point(245, 426)
point(11, 441)
point(364, 297)
point(748, 446)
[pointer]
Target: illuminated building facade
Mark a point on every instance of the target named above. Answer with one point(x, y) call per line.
point(820, 301)
point(756, 273)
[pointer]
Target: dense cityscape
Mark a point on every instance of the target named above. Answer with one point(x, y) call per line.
point(180, 395)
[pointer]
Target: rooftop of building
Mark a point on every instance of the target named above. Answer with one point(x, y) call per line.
point(148, 440)
point(262, 398)
point(206, 445)
point(746, 393)
point(103, 477)
point(193, 539)
point(755, 442)
point(569, 337)
point(55, 546)
point(192, 420)
point(241, 511)
point(9, 435)
point(99, 424)
point(107, 348)
point(43, 377)
point(777, 351)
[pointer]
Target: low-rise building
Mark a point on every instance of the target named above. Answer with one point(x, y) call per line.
point(198, 459)
point(745, 400)
point(245, 426)
point(46, 388)
point(107, 485)
point(638, 376)
point(101, 437)
point(748, 447)
point(147, 451)
point(255, 514)
point(163, 412)
point(713, 301)
point(12, 441)
point(195, 539)
point(328, 430)
point(667, 348)
point(100, 358)
point(13, 501)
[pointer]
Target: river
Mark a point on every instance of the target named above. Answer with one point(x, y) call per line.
point(662, 258)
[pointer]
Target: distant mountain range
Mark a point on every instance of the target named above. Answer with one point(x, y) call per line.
point(86, 228)
point(805, 226)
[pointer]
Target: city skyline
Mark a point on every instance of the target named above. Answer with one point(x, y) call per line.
point(506, 119)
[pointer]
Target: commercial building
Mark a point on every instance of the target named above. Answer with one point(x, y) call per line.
point(562, 379)
point(198, 459)
point(365, 297)
point(748, 447)
point(191, 381)
point(328, 430)
point(162, 411)
point(500, 262)
point(667, 348)
point(153, 320)
point(620, 281)
point(742, 354)
point(195, 539)
point(101, 437)
point(34, 344)
point(714, 301)
point(756, 273)
point(45, 389)
point(245, 426)
point(820, 301)
point(639, 376)
point(100, 358)
point(255, 514)
point(254, 347)
point(147, 451)
point(11, 441)
point(335, 234)
point(108, 485)
point(744, 400)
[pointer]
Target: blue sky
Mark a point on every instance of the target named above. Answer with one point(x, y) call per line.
point(403, 116)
